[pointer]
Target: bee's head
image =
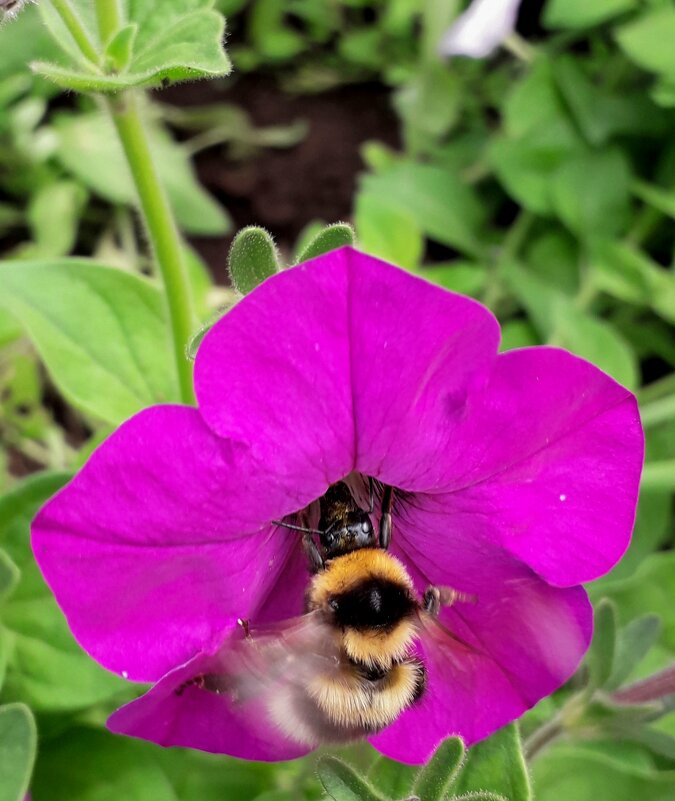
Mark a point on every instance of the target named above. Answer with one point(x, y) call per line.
point(355, 531)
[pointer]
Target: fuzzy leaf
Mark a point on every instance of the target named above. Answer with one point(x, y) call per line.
point(252, 259)
point(600, 658)
point(633, 643)
point(176, 40)
point(100, 332)
point(438, 775)
point(342, 783)
point(120, 48)
point(18, 742)
point(330, 238)
point(497, 765)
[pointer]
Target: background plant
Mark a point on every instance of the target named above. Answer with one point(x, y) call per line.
point(540, 183)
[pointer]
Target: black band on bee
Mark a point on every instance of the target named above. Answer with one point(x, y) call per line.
point(376, 603)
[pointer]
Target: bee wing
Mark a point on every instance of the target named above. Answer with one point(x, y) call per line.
point(272, 657)
point(436, 636)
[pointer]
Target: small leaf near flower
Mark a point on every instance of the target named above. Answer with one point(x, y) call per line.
point(435, 778)
point(342, 783)
point(252, 259)
point(600, 657)
point(331, 238)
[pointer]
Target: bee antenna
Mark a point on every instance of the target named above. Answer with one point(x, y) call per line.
point(303, 529)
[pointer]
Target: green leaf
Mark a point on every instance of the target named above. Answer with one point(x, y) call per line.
point(481, 795)
point(439, 774)
point(633, 642)
point(630, 276)
point(583, 14)
point(252, 258)
point(458, 276)
point(559, 320)
point(518, 334)
point(648, 41)
point(176, 40)
point(101, 333)
point(392, 779)
point(330, 238)
point(651, 531)
point(89, 149)
point(600, 113)
point(429, 105)
point(444, 208)
point(197, 776)
point(591, 193)
point(386, 230)
point(526, 165)
point(342, 783)
point(47, 669)
point(600, 657)
point(649, 590)
point(9, 575)
point(54, 216)
point(18, 743)
point(572, 773)
point(120, 48)
point(497, 765)
point(92, 765)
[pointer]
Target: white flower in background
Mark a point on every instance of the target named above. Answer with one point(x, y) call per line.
point(10, 8)
point(480, 29)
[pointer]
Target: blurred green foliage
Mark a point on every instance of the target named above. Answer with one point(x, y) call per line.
point(543, 185)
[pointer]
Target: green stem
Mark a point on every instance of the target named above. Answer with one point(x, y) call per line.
point(653, 688)
point(520, 48)
point(162, 231)
point(109, 16)
point(510, 247)
point(77, 30)
point(541, 738)
point(645, 223)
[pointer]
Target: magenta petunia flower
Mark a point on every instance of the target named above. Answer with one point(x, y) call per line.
point(515, 477)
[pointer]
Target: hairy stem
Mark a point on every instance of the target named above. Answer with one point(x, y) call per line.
point(76, 29)
point(162, 231)
point(650, 689)
point(157, 215)
point(542, 737)
point(109, 18)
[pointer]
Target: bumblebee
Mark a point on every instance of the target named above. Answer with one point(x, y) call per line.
point(346, 668)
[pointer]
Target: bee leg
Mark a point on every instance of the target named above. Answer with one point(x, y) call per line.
point(385, 516)
point(436, 597)
point(316, 562)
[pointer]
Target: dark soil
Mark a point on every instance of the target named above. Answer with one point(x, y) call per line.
point(284, 189)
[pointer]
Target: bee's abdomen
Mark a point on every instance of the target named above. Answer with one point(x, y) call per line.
point(351, 704)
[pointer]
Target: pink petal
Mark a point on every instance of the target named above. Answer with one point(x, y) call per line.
point(274, 373)
point(526, 638)
point(547, 463)
point(345, 363)
point(147, 549)
point(171, 714)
